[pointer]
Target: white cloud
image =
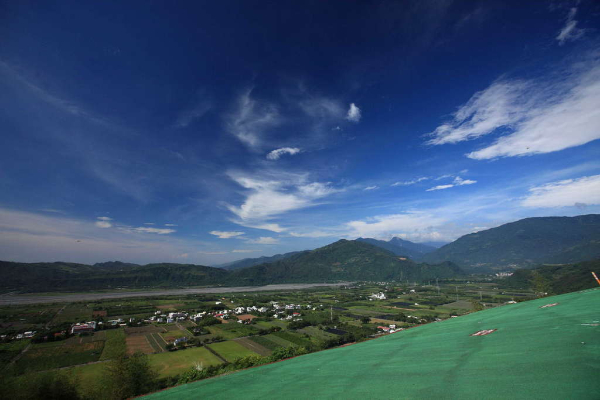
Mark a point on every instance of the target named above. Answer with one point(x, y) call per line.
point(275, 154)
point(274, 193)
point(570, 32)
point(149, 223)
point(103, 222)
point(412, 182)
point(158, 231)
point(244, 251)
point(439, 187)
point(371, 188)
point(498, 105)
point(534, 117)
point(225, 235)
point(252, 119)
point(264, 240)
point(170, 224)
point(570, 192)
point(458, 181)
point(314, 234)
point(394, 224)
point(354, 113)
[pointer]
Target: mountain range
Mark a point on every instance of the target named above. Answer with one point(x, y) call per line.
point(342, 260)
point(525, 243)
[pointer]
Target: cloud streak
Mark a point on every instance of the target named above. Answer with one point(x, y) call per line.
point(565, 193)
point(570, 32)
point(225, 235)
point(277, 153)
point(534, 117)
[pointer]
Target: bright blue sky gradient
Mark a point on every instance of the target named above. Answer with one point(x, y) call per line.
point(204, 132)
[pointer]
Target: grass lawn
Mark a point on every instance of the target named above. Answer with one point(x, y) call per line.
point(10, 350)
point(231, 350)
point(175, 362)
point(87, 375)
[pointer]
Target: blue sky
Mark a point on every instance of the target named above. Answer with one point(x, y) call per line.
point(203, 132)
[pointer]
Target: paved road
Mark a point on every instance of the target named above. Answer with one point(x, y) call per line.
point(12, 298)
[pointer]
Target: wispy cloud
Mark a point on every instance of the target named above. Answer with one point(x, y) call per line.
point(570, 32)
point(244, 251)
point(103, 222)
point(251, 119)
point(264, 240)
point(194, 112)
point(225, 235)
point(170, 224)
point(439, 187)
point(275, 154)
point(411, 182)
point(354, 113)
point(394, 224)
point(158, 231)
point(371, 188)
point(274, 193)
point(535, 117)
point(569, 192)
point(458, 181)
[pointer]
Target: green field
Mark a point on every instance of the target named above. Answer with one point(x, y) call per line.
point(57, 355)
point(114, 345)
point(534, 353)
point(265, 342)
point(231, 350)
point(176, 362)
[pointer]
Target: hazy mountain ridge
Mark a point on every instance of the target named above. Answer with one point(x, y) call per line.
point(525, 243)
point(401, 247)
point(342, 260)
point(250, 262)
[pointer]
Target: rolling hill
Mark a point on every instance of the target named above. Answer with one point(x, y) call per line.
point(525, 243)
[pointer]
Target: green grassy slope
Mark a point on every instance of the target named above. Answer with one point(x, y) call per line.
point(536, 353)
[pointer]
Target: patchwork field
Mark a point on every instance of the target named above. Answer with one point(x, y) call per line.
point(527, 352)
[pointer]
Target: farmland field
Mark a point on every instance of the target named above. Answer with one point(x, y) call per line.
point(115, 344)
point(138, 343)
point(277, 340)
point(57, 355)
point(252, 345)
point(175, 362)
point(290, 337)
point(265, 342)
point(170, 336)
point(231, 350)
